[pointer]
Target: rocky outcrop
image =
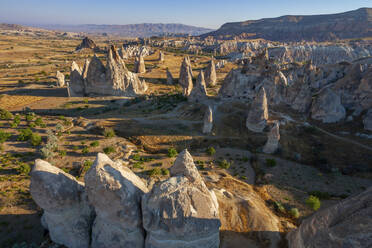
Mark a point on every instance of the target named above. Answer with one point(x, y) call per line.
point(273, 138)
point(170, 79)
point(208, 121)
point(86, 43)
point(60, 79)
point(127, 52)
point(115, 192)
point(345, 224)
point(185, 79)
point(258, 113)
point(114, 79)
point(367, 121)
point(139, 65)
point(199, 91)
point(67, 214)
point(327, 107)
point(181, 211)
point(210, 74)
point(161, 56)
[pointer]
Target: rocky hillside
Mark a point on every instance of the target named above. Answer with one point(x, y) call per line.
point(132, 30)
point(352, 24)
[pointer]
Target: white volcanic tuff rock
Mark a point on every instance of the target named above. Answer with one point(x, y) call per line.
point(113, 80)
point(161, 56)
point(345, 224)
point(208, 121)
point(364, 91)
point(170, 79)
point(327, 107)
point(139, 65)
point(303, 99)
point(134, 51)
point(258, 113)
point(199, 91)
point(210, 74)
point(367, 121)
point(273, 138)
point(60, 79)
point(181, 211)
point(185, 79)
point(115, 192)
point(237, 84)
point(67, 214)
point(76, 85)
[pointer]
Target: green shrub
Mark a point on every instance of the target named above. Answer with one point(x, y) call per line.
point(5, 114)
point(279, 207)
point(313, 202)
point(224, 164)
point(62, 153)
point(321, 195)
point(35, 139)
point(138, 165)
point(24, 134)
point(294, 213)
point(271, 162)
point(172, 152)
point(109, 149)
point(85, 150)
point(4, 136)
point(24, 169)
point(94, 143)
point(165, 172)
point(211, 151)
point(39, 121)
point(86, 165)
point(109, 133)
point(30, 117)
point(154, 172)
point(16, 121)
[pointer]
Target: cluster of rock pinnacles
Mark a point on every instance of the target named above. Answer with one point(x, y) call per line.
point(114, 208)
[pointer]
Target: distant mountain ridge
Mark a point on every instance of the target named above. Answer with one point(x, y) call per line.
point(347, 25)
point(131, 30)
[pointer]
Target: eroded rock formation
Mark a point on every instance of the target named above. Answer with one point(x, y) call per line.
point(185, 79)
point(208, 121)
point(60, 79)
point(181, 211)
point(139, 65)
point(258, 113)
point(86, 43)
point(67, 213)
point(273, 138)
point(199, 91)
point(345, 224)
point(210, 74)
point(327, 107)
point(170, 79)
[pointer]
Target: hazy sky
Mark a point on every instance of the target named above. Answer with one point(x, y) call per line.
point(205, 13)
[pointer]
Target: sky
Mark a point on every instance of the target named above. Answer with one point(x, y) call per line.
point(202, 13)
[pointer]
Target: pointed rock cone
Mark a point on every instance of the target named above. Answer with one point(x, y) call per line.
point(185, 79)
point(208, 121)
point(140, 65)
point(170, 79)
point(161, 56)
point(273, 138)
point(115, 192)
point(199, 92)
point(179, 205)
point(76, 85)
point(67, 214)
point(210, 74)
point(60, 79)
point(327, 107)
point(258, 113)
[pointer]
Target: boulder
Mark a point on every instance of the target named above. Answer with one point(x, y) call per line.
point(273, 138)
point(181, 211)
point(258, 113)
point(208, 121)
point(60, 79)
point(345, 224)
point(367, 121)
point(185, 79)
point(115, 192)
point(327, 107)
point(67, 213)
point(170, 79)
point(139, 65)
point(199, 91)
point(210, 74)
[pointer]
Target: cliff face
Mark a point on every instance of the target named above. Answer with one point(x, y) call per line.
point(352, 24)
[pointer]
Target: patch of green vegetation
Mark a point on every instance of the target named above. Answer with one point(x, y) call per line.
point(165, 172)
point(24, 134)
point(16, 121)
point(94, 143)
point(24, 169)
point(62, 153)
point(313, 202)
point(155, 172)
point(85, 150)
point(39, 121)
point(5, 114)
point(109, 133)
point(138, 165)
point(211, 151)
point(109, 149)
point(4, 136)
point(30, 117)
point(321, 195)
point(35, 139)
point(271, 162)
point(172, 152)
point(279, 207)
point(86, 165)
point(224, 164)
point(294, 212)
point(137, 157)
